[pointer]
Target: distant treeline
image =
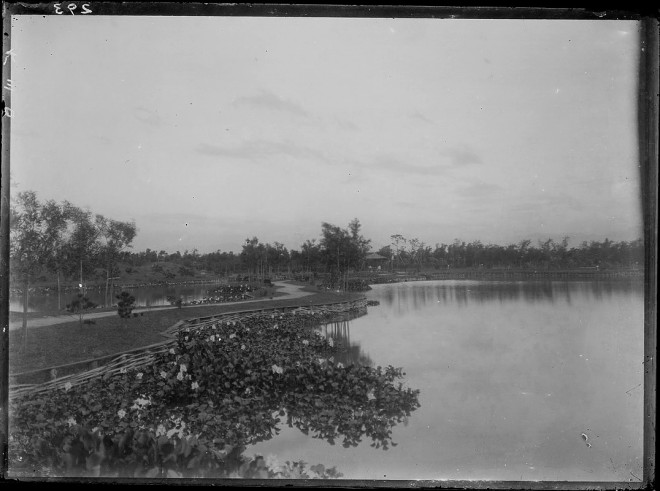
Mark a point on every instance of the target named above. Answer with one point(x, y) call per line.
point(403, 254)
point(547, 254)
point(59, 241)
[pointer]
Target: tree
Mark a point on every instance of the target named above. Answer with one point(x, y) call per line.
point(114, 236)
point(253, 256)
point(58, 216)
point(334, 246)
point(310, 253)
point(359, 246)
point(79, 305)
point(82, 246)
point(34, 228)
point(125, 305)
point(398, 248)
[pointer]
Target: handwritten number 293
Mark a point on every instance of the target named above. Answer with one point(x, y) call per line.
point(71, 7)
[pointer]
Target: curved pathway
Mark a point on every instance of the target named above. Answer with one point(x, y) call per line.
point(288, 289)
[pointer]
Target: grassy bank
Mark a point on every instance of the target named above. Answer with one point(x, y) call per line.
point(67, 343)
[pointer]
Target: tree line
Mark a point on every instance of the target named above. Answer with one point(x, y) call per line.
point(548, 254)
point(63, 239)
point(340, 250)
point(72, 243)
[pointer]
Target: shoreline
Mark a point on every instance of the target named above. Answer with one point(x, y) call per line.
point(51, 344)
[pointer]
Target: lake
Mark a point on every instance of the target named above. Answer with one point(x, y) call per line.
point(513, 377)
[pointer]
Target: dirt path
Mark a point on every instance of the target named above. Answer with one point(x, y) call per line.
point(289, 290)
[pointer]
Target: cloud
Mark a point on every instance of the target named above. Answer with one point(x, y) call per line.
point(479, 189)
point(408, 204)
point(547, 201)
point(461, 156)
point(420, 117)
point(256, 149)
point(147, 116)
point(268, 100)
point(345, 124)
point(391, 163)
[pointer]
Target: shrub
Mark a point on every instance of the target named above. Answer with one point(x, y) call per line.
point(125, 305)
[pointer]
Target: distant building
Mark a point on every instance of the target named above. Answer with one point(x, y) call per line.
point(374, 260)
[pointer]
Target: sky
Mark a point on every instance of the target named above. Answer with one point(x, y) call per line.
point(208, 130)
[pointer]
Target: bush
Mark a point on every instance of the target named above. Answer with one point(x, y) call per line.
point(125, 305)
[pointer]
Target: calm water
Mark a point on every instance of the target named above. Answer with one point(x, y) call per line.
point(511, 375)
point(148, 296)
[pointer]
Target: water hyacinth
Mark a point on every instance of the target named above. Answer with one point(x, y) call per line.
point(67, 387)
point(273, 464)
point(141, 403)
point(258, 389)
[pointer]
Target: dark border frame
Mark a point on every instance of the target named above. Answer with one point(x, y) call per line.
point(648, 135)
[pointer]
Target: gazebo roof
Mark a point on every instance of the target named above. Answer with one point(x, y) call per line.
point(373, 256)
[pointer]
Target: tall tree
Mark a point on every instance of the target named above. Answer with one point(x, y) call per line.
point(114, 237)
point(359, 245)
point(82, 246)
point(310, 253)
point(253, 256)
point(334, 246)
point(34, 227)
point(398, 248)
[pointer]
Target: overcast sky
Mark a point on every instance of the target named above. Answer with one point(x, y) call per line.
point(209, 130)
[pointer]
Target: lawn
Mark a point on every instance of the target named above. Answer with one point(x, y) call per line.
point(65, 343)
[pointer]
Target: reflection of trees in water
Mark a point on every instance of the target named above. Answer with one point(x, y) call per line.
point(340, 331)
point(410, 296)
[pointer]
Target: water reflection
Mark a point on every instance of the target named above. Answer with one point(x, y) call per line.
point(340, 332)
point(511, 375)
point(413, 296)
